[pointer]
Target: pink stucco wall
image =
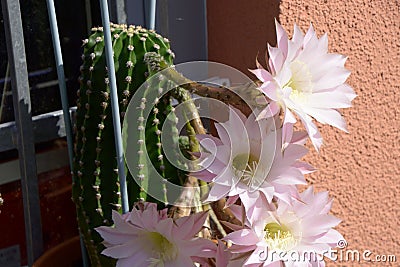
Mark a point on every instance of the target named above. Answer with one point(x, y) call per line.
point(360, 169)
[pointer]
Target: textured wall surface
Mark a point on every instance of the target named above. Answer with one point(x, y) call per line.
point(360, 169)
point(239, 30)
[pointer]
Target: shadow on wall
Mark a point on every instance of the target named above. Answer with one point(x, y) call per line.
point(234, 29)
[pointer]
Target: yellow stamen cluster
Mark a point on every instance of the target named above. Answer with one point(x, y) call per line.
point(300, 81)
point(244, 167)
point(278, 237)
point(164, 250)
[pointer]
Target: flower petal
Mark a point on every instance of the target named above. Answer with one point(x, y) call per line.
point(287, 128)
point(312, 130)
point(328, 116)
point(223, 255)
point(204, 175)
point(332, 78)
point(271, 110)
point(122, 251)
point(209, 137)
point(262, 75)
point(244, 237)
point(140, 259)
point(331, 237)
point(231, 200)
point(327, 100)
point(199, 247)
point(120, 222)
point(114, 236)
point(282, 38)
point(276, 59)
point(190, 225)
point(269, 89)
point(217, 192)
point(319, 223)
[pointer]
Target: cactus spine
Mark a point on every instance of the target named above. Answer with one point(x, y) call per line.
point(95, 184)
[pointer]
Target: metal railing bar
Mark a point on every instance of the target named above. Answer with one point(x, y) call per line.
point(64, 98)
point(31, 74)
point(61, 77)
point(105, 17)
point(46, 127)
point(205, 32)
point(150, 9)
point(22, 110)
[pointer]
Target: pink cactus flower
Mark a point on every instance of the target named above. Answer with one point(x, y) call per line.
point(146, 237)
point(247, 162)
point(290, 234)
point(304, 79)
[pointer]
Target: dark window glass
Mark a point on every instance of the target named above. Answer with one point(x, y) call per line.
point(43, 81)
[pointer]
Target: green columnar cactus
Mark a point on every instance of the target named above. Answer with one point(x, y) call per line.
point(95, 183)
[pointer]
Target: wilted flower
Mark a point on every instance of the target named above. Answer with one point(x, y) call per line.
point(305, 79)
point(295, 234)
point(148, 238)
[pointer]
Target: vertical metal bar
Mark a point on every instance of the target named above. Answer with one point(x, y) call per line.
point(61, 77)
point(205, 29)
point(114, 104)
point(150, 7)
point(64, 97)
point(23, 120)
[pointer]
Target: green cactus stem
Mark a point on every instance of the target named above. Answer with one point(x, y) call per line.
point(95, 183)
